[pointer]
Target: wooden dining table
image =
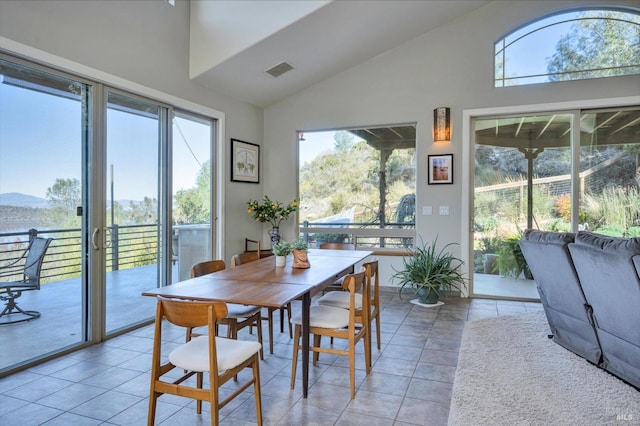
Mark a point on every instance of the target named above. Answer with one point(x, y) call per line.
point(262, 283)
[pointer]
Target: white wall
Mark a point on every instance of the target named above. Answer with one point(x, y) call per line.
point(141, 46)
point(450, 66)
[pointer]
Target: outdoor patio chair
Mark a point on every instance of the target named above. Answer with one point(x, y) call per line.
point(11, 290)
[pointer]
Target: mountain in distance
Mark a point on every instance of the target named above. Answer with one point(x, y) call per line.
point(22, 200)
point(16, 199)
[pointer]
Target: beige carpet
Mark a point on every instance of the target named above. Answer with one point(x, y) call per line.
point(510, 373)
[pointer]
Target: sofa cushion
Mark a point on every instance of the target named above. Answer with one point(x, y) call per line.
point(628, 246)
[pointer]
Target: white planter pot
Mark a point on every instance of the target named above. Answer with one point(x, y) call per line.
point(281, 260)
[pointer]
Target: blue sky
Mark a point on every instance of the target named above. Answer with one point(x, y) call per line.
point(40, 142)
point(40, 136)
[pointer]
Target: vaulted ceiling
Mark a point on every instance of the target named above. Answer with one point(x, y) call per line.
point(233, 43)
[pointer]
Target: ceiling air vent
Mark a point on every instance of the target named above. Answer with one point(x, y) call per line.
point(278, 70)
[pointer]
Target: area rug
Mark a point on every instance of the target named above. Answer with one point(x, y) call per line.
point(510, 373)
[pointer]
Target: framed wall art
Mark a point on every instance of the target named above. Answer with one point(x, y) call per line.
point(245, 161)
point(440, 169)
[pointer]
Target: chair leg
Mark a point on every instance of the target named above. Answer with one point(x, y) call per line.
point(13, 308)
point(352, 367)
point(294, 359)
point(270, 321)
point(259, 327)
point(199, 377)
point(153, 399)
point(232, 333)
point(378, 328)
point(316, 342)
point(214, 400)
point(289, 318)
point(367, 349)
point(256, 389)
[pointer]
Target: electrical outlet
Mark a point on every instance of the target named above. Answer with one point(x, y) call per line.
point(444, 210)
point(427, 210)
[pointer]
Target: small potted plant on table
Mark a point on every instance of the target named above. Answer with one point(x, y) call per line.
point(300, 258)
point(281, 250)
point(428, 270)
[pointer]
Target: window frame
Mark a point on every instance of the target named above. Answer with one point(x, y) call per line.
point(532, 27)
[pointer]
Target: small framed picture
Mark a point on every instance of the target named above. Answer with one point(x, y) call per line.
point(440, 169)
point(245, 161)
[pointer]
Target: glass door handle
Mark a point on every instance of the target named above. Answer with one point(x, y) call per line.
point(93, 238)
point(108, 238)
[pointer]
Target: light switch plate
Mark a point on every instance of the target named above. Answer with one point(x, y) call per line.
point(427, 210)
point(444, 210)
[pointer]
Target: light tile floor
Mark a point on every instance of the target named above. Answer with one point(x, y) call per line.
point(410, 383)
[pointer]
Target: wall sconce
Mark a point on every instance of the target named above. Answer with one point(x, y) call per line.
point(442, 124)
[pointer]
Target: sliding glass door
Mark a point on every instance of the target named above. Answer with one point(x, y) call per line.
point(192, 188)
point(135, 132)
point(44, 136)
point(564, 171)
point(92, 167)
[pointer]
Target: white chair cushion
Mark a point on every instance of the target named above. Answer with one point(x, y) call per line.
point(194, 355)
point(241, 311)
point(339, 299)
point(325, 317)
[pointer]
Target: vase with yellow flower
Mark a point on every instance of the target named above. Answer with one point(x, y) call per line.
point(273, 212)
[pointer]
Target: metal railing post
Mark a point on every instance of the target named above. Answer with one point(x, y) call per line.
point(33, 233)
point(115, 257)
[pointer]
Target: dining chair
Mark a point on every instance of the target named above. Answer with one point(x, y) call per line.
point(339, 323)
point(238, 316)
point(221, 358)
point(242, 258)
point(340, 299)
point(337, 285)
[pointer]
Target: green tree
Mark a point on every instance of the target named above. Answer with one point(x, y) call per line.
point(143, 212)
point(349, 177)
point(605, 41)
point(344, 141)
point(193, 205)
point(63, 196)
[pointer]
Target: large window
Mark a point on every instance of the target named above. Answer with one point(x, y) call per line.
point(573, 45)
point(563, 171)
point(358, 185)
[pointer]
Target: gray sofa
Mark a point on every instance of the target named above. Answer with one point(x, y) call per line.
point(589, 286)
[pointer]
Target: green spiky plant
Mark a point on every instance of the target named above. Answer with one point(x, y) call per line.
point(428, 269)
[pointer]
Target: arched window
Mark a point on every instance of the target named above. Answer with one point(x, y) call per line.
point(574, 45)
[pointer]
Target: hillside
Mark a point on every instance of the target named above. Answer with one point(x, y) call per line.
point(22, 200)
point(13, 219)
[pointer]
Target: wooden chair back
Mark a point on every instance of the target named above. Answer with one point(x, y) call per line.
point(189, 313)
point(242, 258)
point(337, 246)
point(207, 267)
point(257, 245)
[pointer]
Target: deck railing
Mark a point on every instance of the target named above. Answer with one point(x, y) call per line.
point(390, 236)
point(130, 246)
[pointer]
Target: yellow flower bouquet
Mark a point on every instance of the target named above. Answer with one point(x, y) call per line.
point(270, 211)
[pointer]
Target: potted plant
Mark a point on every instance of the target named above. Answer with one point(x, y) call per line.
point(511, 261)
point(273, 212)
point(281, 250)
point(428, 270)
point(300, 258)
